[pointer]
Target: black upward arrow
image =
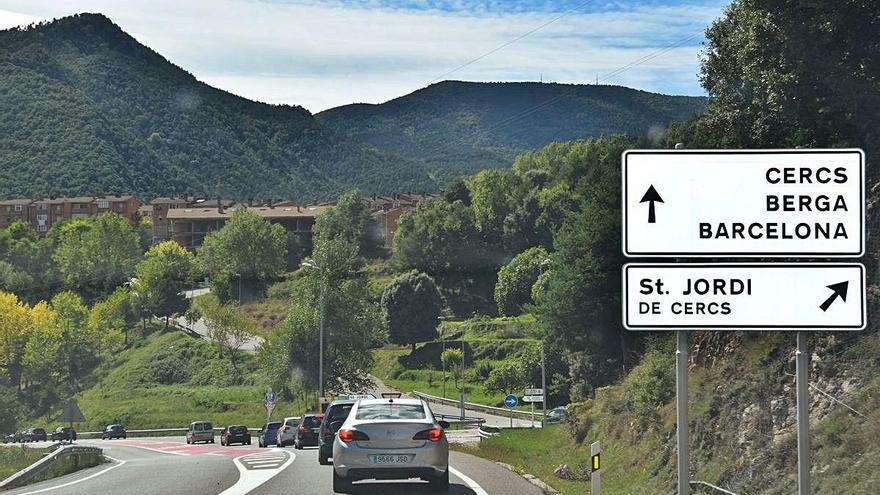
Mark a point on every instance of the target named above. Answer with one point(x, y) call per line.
point(651, 196)
point(839, 290)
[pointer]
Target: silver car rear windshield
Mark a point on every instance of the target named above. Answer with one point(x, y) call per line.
point(390, 411)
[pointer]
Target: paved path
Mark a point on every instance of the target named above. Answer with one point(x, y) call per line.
point(168, 465)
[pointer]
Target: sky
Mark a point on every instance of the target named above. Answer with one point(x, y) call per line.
point(322, 54)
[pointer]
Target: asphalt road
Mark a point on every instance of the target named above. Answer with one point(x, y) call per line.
point(168, 465)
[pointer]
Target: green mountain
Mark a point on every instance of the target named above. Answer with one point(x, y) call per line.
point(85, 108)
point(459, 127)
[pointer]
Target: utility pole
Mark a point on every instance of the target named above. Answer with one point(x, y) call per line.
point(461, 381)
point(239, 288)
point(543, 386)
point(443, 349)
point(314, 266)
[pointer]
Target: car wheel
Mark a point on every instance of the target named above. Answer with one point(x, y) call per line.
point(323, 460)
point(340, 484)
point(297, 445)
point(440, 483)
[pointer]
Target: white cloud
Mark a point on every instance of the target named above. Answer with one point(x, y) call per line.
point(325, 54)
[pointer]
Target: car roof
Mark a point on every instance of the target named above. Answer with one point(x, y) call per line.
point(367, 402)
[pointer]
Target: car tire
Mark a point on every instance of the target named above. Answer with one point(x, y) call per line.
point(323, 460)
point(440, 483)
point(340, 484)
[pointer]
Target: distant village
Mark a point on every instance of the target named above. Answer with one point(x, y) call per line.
point(188, 219)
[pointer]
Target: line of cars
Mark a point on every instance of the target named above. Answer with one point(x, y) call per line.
point(61, 434)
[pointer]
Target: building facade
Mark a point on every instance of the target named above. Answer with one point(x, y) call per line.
point(42, 213)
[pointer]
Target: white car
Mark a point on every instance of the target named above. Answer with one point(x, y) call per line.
point(390, 439)
point(287, 431)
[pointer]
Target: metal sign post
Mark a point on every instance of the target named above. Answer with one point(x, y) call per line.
point(595, 469)
point(681, 412)
point(803, 414)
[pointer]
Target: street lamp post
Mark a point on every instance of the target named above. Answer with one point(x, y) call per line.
point(443, 349)
point(314, 266)
point(239, 287)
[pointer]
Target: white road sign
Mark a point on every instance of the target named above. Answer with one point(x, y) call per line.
point(533, 398)
point(742, 296)
point(761, 203)
point(534, 391)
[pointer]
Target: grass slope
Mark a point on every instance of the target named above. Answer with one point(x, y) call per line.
point(169, 380)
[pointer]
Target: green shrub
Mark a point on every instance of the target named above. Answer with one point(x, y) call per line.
point(167, 369)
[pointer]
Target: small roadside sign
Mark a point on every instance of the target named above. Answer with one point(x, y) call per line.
point(511, 400)
point(533, 398)
point(744, 203)
point(743, 296)
point(72, 413)
point(534, 391)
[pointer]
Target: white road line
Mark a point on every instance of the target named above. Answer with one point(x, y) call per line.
point(248, 480)
point(469, 482)
point(99, 473)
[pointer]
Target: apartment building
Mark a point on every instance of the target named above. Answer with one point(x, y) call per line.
point(43, 212)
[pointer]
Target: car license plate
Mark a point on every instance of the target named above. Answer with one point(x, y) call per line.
point(391, 459)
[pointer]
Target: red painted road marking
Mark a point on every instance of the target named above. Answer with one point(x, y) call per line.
point(185, 449)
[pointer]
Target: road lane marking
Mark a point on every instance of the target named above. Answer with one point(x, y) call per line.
point(250, 479)
point(99, 473)
point(473, 485)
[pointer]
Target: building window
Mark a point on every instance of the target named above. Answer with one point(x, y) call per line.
point(42, 228)
point(80, 206)
point(18, 207)
point(42, 206)
point(42, 218)
point(103, 203)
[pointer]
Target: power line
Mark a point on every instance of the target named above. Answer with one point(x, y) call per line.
point(508, 43)
point(614, 73)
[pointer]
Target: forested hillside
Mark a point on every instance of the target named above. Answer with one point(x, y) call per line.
point(461, 127)
point(87, 109)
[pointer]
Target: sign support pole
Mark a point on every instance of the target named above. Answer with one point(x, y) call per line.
point(803, 414)
point(681, 416)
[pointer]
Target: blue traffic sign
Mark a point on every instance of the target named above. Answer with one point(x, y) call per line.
point(511, 400)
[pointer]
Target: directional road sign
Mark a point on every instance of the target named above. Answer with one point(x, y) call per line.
point(534, 391)
point(741, 296)
point(72, 413)
point(511, 400)
point(761, 203)
point(533, 398)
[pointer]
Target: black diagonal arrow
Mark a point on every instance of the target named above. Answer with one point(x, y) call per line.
point(839, 290)
point(651, 196)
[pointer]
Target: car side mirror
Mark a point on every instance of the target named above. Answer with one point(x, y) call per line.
point(443, 424)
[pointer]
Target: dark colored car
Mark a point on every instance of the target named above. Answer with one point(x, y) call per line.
point(308, 431)
point(556, 416)
point(335, 414)
point(33, 435)
point(235, 434)
point(269, 434)
point(10, 438)
point(63, 434)
point(113, 431)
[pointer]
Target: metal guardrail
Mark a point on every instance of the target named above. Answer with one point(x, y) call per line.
point(495, 411)
point(710, 485)
point(488, 431)
point(156, 430)
point(458, 420)
point(46, 462)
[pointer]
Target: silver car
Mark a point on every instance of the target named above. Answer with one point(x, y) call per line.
point(390, 439)
point(287, 431)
